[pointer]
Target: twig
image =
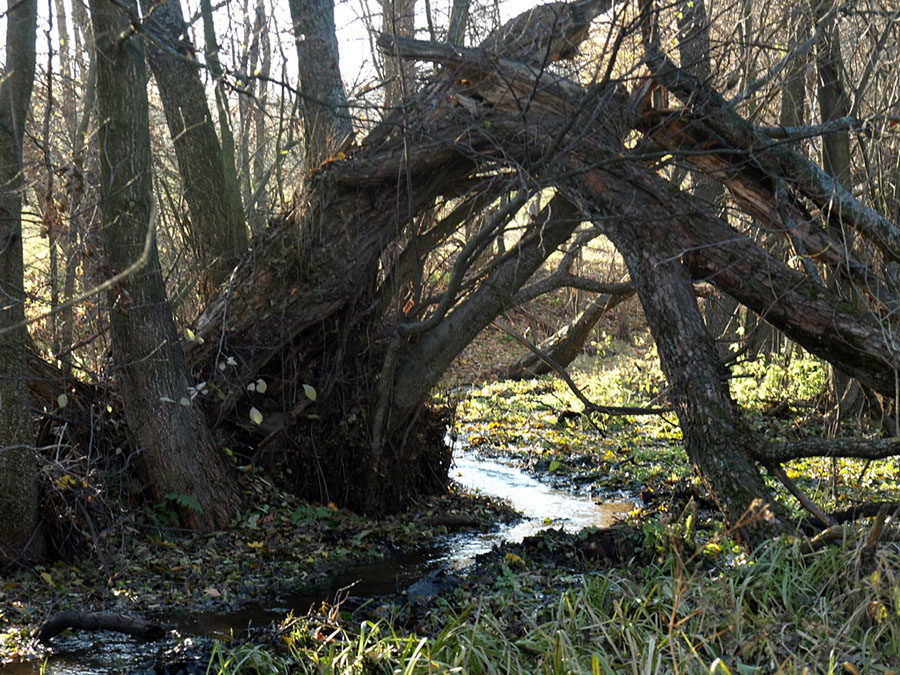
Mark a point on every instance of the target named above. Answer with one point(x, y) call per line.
point(777, 471)
point(589, 405)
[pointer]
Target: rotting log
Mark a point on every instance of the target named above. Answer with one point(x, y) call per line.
point(119, 623)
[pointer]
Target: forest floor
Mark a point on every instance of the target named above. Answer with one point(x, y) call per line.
point(667, 590)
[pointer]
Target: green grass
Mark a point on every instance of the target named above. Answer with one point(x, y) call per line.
point(690, 602)
point(780, 610)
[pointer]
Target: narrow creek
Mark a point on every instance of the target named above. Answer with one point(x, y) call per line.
point(542, 506)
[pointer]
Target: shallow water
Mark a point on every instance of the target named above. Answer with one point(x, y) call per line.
point(541, 505)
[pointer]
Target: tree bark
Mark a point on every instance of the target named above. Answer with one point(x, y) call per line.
point(20, 534)
point(323, 104)
point(218, 232)
point(176, 450)
point(398, 19)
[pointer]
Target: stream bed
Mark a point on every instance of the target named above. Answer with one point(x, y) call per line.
point(542, 507)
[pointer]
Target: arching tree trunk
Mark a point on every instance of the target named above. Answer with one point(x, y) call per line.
point(20, 537)
point(176, 451)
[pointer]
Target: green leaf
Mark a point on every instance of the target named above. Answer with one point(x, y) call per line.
point(261, 386)
point(309, 391)
point(256, 416)
point(62, 400)
point(185, 501)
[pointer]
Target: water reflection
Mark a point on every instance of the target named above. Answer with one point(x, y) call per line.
point(542, 506)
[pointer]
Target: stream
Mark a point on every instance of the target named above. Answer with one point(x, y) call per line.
point(542, 506)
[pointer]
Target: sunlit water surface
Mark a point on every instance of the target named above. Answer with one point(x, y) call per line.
point(542, 506)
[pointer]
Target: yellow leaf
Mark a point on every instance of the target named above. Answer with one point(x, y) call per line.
point(256, 416)
point(513, 559)
point(46, 577)
point(255, 544)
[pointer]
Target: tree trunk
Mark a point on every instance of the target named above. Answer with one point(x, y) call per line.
point(323, 104)
point(218, 232)
point(693, 47)
point(20, 535)
point(399, 74)
point(232, 194)
point(718, 442)
point(177, 454)
point(459, 21)
point(567, 343)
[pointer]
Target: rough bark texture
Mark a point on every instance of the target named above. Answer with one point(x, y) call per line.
point(19, 534)
point(398, 19)
point(176, 451)
point(217, 229)
point(718, 442)
point(323, 102)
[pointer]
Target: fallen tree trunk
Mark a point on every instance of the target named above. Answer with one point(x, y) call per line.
point(567, 342)
point(118, 623)
point(304, 313)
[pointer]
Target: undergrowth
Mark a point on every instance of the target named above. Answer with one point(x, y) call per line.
point(688, 601)
point(778, 610)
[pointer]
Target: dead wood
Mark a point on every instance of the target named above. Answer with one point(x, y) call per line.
point(868, 510)
point(118, 623)
point(774, 159)
point(783, 451)
point(589, 405)
point(808, 504)
point(566, 343)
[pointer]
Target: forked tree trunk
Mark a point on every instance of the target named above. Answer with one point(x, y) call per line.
point(218, 232)
point(175, 448)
